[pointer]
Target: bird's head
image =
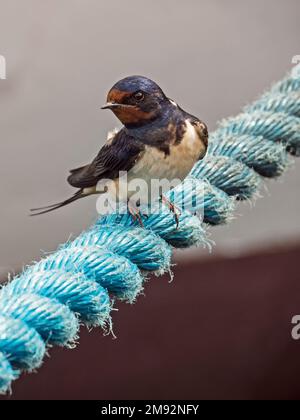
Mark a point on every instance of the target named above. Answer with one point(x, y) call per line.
point(136, 101)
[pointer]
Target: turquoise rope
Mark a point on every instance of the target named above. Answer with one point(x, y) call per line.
point(47, 301)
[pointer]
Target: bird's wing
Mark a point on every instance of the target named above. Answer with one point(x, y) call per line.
point(201, 129)
point(119, 154)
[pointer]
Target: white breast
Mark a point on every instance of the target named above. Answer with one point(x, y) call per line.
point(182, 157)
point(156, 165)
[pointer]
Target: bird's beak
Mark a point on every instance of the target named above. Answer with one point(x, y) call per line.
point(110, 105)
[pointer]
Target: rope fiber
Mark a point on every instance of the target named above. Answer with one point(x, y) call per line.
point(46, 303)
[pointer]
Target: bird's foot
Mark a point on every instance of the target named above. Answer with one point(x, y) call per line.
point(174, 209)
point(135, 214)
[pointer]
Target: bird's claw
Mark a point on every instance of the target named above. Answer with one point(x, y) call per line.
point(173, 208)
point(135, 214)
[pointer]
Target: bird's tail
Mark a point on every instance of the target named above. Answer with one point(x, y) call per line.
point(42, 210)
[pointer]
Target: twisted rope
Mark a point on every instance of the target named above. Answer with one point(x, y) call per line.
point(46, 302)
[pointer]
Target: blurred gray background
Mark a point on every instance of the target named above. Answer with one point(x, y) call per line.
point(211, 56)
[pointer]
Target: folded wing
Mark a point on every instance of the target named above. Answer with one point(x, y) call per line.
point(119, 154)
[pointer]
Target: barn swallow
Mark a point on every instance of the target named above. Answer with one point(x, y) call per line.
point(158, 140)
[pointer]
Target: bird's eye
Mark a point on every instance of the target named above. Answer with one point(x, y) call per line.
point(139, 96)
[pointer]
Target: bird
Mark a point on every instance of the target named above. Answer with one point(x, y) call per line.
point(158, 140)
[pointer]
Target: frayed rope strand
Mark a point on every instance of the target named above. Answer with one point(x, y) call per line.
point(46, 303)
